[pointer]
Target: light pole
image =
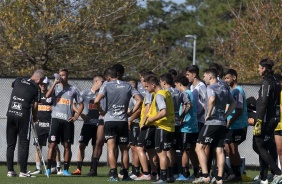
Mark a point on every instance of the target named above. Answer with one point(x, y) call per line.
point(194, 46)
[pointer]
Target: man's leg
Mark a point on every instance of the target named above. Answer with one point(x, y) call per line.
point(163, 164)
point(80, 158)
point(11, 137)
point(111, 146)
point(235, 159)
point(23, 147)
point(220, 162)
point(67, 155)
point(97, 150)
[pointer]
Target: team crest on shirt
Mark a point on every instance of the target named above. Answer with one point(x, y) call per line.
point(53, 138)
point(49, 100)
point(70, 93)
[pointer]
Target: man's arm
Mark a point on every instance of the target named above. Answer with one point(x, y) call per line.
point(231, 108)
point(34, 111)
point(50, 90)
point(211, 103)
point(78, 112)
point(138, 103)
point(160, 115)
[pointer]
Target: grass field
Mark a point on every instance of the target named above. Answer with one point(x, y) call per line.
point(55, 179)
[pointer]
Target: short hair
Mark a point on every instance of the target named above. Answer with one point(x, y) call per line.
point(152, 79)
point(119, 68)
point(193, 69)
point(143, 70)
point(173, 72)
point(146, 73)
point(64, 70)
point(182, 80)
point(40, 73)
point(110, 72)
point(212, 72)
point(98, 76)
point(218, 68)
point(167, 77)
point(130, 79)
point(268, 64)
point(231, 72)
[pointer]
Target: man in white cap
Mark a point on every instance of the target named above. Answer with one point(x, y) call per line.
point(42, 126)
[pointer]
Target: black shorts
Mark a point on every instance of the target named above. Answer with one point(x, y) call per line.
point(42, 130)
point(61, 131)
point(200, 125)
point(278, 132)
point(134, 134)
point(176, 138)
point(212, 135)
point(147, 137)
point(236, 136)
point(88, 131)
point(188, 139)
point(163, 140)
point(118, 130)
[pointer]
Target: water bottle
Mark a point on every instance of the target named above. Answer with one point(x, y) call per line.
point(57, 76)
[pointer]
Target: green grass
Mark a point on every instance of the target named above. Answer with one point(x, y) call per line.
point(55, 179)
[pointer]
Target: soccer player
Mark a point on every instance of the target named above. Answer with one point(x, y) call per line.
point(62, 126)
point(42, 126)
point(116, 127)
point(161, 114)
point(23, 103)
point(237, 124)
point(146, 139)
point(266, 122)
point(189, 128)
point(92, 128)
point(198, 88)
point(212, 133)
point(166, 82)
point(134, 120)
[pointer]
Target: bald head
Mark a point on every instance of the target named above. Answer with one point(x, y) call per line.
point(38, 76)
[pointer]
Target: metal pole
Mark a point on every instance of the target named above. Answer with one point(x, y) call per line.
point(194, 50)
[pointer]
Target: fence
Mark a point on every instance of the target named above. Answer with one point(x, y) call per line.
point(245, 148)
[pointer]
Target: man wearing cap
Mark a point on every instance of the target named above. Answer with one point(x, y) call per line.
point(42, 126)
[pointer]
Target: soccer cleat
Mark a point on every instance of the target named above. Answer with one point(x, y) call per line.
point(66, 173)
point(37, 171)
point(25, 175)
point(48, 172)
point(245, 177)
point(233, 178)
point(182, 178)
point(202, 180)
point(133, 176)
point(76, 172)
point(59, 172)
point(12, 174)
point(276, 179)
point(91, 173)
point(127, 179)
point(53, 170)
point(143, 177)
point(159, 181)
point(113, 179)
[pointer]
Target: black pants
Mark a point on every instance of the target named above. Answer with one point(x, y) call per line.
point(265, 147)
point(17, 126)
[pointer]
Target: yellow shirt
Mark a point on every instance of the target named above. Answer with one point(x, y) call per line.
point(279, 126)
point(168, 121)
point(143, 108)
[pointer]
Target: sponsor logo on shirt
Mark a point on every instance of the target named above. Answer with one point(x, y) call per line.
point(92, 106)
point(63, 101)
point(44, 107)
point(16, 105)
point(17, 98)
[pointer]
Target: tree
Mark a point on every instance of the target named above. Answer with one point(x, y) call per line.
point(84, 36)
point(257, 35)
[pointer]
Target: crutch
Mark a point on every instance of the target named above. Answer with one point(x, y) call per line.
point(35, 137)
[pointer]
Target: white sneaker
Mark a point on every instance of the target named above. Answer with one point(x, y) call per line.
point(25, 175)
point(60, 172)
point(202, 180)
point(12, 174)
point(53, 170)
point(276, 179)
point(37, 171)
point(133, 176)
point(143, 177)
point(264, 181)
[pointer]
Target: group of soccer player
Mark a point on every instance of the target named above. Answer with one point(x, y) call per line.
point(205, 119)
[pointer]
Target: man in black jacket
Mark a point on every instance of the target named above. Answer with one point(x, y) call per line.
point(265, 124)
